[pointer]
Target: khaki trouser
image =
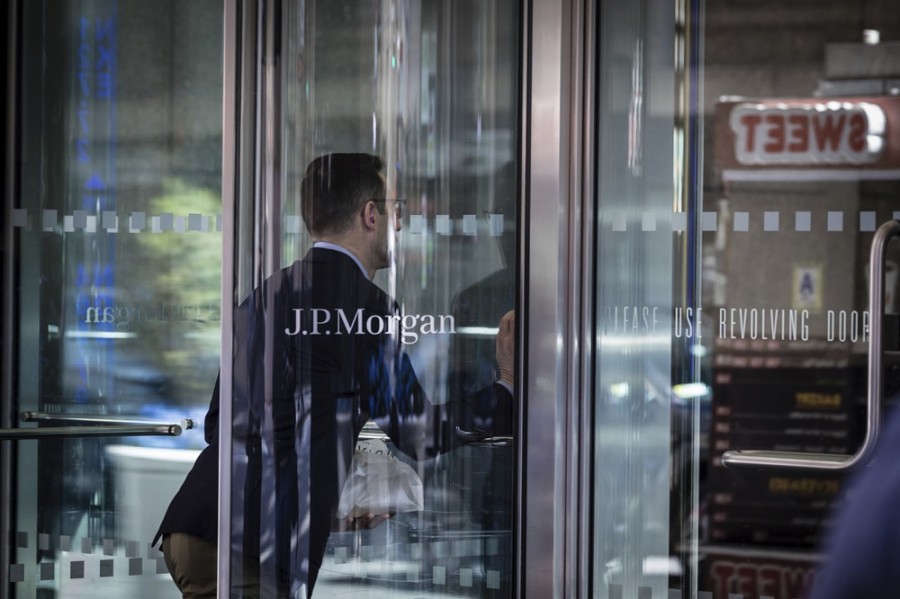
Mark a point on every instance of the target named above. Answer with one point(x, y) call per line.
point(192, 562)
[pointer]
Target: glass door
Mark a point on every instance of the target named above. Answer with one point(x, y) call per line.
point(368, 414)
point(111, 283)
point(746, 156)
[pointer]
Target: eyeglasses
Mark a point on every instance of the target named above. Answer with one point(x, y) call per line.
point(399, 205)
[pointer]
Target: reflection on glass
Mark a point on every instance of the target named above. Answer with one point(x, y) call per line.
point(785, 288)
point(117, 249)
point(783, 175)
point(633, 404)
point(431, 88)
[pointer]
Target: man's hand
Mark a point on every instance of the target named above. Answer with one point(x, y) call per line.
point(506, 348)
point(360, 522)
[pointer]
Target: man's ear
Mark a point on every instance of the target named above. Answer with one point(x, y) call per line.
point(369, 214)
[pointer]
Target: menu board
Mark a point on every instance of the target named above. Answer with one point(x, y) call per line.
point(810, 410)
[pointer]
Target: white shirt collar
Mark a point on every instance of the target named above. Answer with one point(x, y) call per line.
point(333, 246)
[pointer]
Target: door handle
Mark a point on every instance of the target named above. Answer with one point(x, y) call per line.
point(95, 426)
point(480, 438)
point(186, 424)
point(875, 391)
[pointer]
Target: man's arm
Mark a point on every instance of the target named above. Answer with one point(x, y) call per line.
point(486, 412)
point(489, 411)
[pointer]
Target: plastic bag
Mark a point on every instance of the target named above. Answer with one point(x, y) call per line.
point(379, 483)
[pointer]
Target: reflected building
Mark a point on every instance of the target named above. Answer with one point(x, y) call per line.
point(679, 200)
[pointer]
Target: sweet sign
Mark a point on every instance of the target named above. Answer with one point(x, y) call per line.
point(832, 133)
point(809, 136)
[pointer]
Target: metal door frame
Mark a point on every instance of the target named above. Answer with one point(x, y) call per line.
point(555, 280)
point(7, 315)
point(554, 284)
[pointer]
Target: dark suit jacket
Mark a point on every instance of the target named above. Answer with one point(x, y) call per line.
point(861, 549)
point(314, 359)
point(472, 367)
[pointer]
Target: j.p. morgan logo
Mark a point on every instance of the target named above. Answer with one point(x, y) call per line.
point(336, 321)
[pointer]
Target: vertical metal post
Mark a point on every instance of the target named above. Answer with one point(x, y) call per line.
point(231, 127)
point(582, 226)
point(7, 401)
point(545, 445)
point(251, 96)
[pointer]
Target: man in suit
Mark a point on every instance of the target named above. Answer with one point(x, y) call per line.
point(318, 353)
point(860, 560)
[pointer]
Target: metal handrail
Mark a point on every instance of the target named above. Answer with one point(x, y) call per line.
point(494, 441)
point(834, 462)
point(481, 438)
point(98, 426)
point(371, 432)
point(186, 424)
point(46, 432)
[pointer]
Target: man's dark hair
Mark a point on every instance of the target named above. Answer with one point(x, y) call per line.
point(334, 188)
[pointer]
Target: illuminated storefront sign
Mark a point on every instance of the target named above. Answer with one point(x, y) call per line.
point(785, 139)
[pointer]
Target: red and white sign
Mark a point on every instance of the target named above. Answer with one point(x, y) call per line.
point(857, 137)
point(760, 577)
point(832, 133)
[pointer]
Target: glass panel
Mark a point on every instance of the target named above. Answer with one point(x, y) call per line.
point(116, 292)
point(632, 403)
point(371, 439)
point(732, 305)
point(786, 270)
